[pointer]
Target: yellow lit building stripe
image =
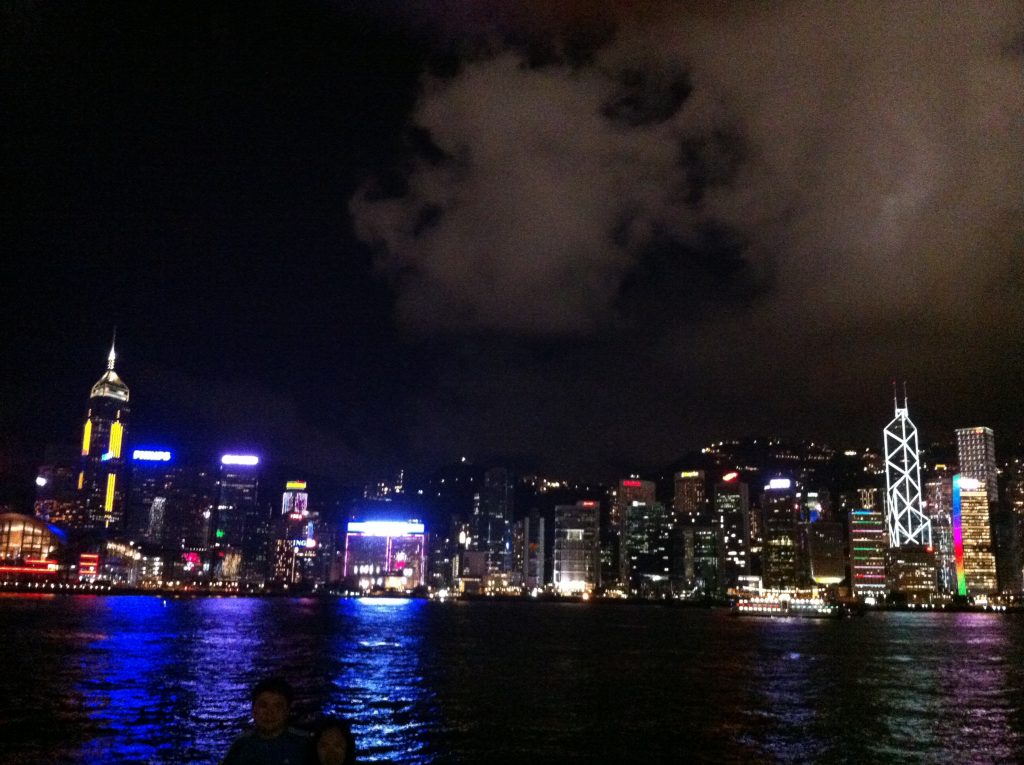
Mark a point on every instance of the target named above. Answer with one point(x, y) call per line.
point(116, 435)
point(86, 437)
point(81, 480)
point(108, 503)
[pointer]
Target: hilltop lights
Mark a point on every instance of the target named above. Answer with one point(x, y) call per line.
point(248, 460)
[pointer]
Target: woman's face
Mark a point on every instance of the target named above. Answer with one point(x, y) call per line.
point(332, 747)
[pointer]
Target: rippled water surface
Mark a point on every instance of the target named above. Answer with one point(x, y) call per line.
point(140, 679)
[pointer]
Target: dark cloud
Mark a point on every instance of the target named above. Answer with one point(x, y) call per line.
point(854, 145)
point(774, 208)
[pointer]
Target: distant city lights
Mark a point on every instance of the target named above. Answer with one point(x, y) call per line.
point(151, 455)
point(248, 460)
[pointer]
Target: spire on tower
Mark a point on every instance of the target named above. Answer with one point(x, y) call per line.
point(112, 356)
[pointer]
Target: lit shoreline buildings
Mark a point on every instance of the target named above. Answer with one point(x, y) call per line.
point(143, 515)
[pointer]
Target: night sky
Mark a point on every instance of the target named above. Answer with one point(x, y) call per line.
point(367, 235)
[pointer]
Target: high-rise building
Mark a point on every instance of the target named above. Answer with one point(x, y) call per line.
point(529, 545)
point(57, 499)
point(386, 554)
point(976, 451)
point(703, 559)
point(101, 475)
point(907, 523)
point(938, 506)
point(577, 561)
point(1015, 506)
point(241, 528)
point(647, 548)
point(732, 511)
point(825, 554)
point(297, 540)
point(972, 537)
point(689, 500)
point(910, 572)
point(493, 508)
point(628, 492)
point(782, 554)
point(869, 541)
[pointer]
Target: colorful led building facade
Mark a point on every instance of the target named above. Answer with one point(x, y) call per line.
point(907, 523)
point(101, 472)
point(869, 541)
point(385, 555)
point(972, 538)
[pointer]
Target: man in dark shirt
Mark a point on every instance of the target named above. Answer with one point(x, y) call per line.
point(271, 742)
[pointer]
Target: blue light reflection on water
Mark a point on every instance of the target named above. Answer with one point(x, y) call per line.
point(135, 679)
point(170, 681)
point(378, 679)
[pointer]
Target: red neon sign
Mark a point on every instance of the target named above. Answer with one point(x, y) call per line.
point(730, 477)
point(633, 484)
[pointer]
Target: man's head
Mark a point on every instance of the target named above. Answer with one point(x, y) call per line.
point(271, 702)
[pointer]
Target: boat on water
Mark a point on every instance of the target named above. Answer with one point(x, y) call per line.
point(804, 608)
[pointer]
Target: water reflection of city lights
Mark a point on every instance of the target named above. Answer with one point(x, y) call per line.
point(384, 601)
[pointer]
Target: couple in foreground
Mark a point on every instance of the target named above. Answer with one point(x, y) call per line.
point(273, 742)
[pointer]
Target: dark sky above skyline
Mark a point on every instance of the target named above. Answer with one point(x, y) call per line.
point(361, 235)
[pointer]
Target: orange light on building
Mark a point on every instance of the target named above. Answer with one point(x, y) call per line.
point(86, 437)
point(116, 436)
point(108, 502)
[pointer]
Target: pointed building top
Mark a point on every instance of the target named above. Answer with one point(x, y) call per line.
point(112, 356)
point(110, 385)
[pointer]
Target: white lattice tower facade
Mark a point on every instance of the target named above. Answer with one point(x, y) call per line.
point(905, 519)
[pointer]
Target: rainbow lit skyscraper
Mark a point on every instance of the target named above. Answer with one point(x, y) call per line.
point(972, 538)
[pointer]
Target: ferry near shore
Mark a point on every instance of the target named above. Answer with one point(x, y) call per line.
point(788, 604)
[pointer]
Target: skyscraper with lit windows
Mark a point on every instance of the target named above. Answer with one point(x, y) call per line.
point(732, 511)
point(972, 538)
point(976, 451)
point(783, 556)
point(577, 562)
point(101, 472)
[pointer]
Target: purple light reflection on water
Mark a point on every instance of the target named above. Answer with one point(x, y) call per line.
point(137, 679)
